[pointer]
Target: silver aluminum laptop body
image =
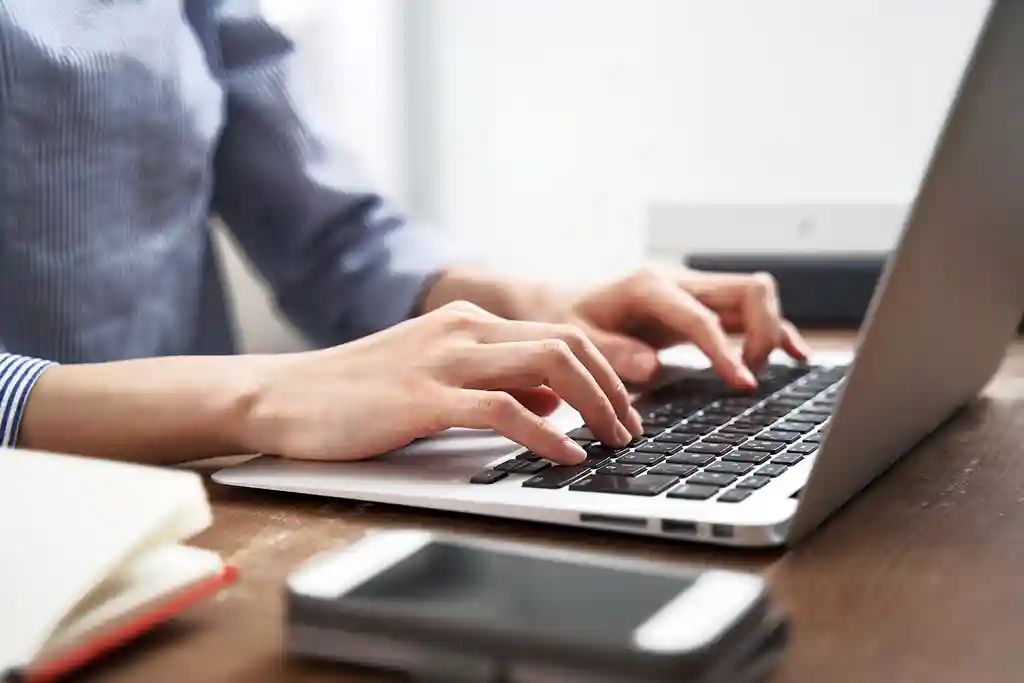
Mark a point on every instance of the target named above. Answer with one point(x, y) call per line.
point(937, 331)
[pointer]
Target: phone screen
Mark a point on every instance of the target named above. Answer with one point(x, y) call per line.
point(522, 592)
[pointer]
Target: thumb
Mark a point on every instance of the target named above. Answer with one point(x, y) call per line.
point(634, 360)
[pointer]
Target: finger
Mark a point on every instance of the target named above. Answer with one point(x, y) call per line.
point(584, 350)
point(499, 411)
point(630, 358)
point(754, 297)
point(763, 320)
point(522, 365)
point(689, 318)
point(539, 400)
point(793, 342)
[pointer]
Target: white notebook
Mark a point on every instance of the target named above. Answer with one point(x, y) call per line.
point(91, 556)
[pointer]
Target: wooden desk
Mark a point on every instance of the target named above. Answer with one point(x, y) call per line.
point(918, 579)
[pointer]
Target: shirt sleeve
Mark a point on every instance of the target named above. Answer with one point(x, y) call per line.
point(18, 374)
point(342, 261)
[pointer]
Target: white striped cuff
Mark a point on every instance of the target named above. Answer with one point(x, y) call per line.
point(18, 374)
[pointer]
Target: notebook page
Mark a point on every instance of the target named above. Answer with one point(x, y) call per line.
point(68, 524)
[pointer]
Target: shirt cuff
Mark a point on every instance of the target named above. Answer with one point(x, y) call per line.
point(18, 374)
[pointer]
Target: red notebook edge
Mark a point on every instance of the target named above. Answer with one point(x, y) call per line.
point(159, 613)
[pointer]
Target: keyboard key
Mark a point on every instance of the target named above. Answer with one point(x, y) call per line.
point(710, 448)
point(647, 485)
point(713, 478)
point(660, 448)
point(804, 416)
point(787, 459)
point(698, 459)
point(654, 430)
point(788, 401)
point(673, 470)
point(753, 457)
point(698, 428)
point(528, 456)
point(813, 438)
point(674, 437)
point(714, 419)
point(512, 465)
point(753, 421)
point(734, 496)
point(729, 467)
point(780, 436)
point(817, 410)
point(771, 470)
point(803, 448)
point(763, 446)
point(601, 451)
point(739, 402)
point(639, 458)
point(488, 477)
point(793, 426)
point(533, 467)
point(594, 461)
point(718, 437)
point(736, 428)
point(582, 433)
point(617, 470)
point(804, 392)
point(556, 477)
point(729, 411)
point(693, 492)
point(754, 482)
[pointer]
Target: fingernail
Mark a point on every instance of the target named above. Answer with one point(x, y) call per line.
point(623, 434)
point(746, 376)
point(575, 451)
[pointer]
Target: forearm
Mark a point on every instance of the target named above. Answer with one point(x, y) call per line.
point(162, 410)
point(508, 297)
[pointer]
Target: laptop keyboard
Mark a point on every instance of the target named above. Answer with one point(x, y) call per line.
point(703, 440)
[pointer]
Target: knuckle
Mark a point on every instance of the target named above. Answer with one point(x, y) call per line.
point(499, 406)
point(573, 336)
point(460, 314)
point(764, 283)
point(706, 318)
point(557, 350)
point(641, 280)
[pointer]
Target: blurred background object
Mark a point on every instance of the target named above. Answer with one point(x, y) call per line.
point(560, 137)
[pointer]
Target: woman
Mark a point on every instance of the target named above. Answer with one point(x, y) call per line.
point(126, 124)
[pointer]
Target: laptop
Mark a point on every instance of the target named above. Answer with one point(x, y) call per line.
point(766, 468)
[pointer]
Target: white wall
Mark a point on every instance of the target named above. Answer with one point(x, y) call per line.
point(559, 121)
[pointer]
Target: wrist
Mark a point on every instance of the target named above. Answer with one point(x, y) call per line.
point(509, 298)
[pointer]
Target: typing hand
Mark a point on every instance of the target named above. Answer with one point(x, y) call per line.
point(457, 366)
point(630, 319)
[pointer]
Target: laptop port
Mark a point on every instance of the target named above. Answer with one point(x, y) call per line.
point(612, 520)
point(673, 526)
point(722, 530)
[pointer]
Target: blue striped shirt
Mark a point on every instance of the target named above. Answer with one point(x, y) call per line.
point(124, 126)
point(17, 376)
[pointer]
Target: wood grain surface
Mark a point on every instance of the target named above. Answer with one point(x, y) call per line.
point(918, 579)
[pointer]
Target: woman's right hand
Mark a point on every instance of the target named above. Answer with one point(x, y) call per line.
point(457, 366)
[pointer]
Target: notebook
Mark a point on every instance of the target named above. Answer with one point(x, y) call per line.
point(92, 557)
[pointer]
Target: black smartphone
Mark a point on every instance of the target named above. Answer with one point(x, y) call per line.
point(442, 607)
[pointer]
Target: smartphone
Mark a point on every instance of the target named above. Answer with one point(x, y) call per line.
point(458, 608)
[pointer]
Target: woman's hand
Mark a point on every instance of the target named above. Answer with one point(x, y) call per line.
point(630, 319)
point(458, 366)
